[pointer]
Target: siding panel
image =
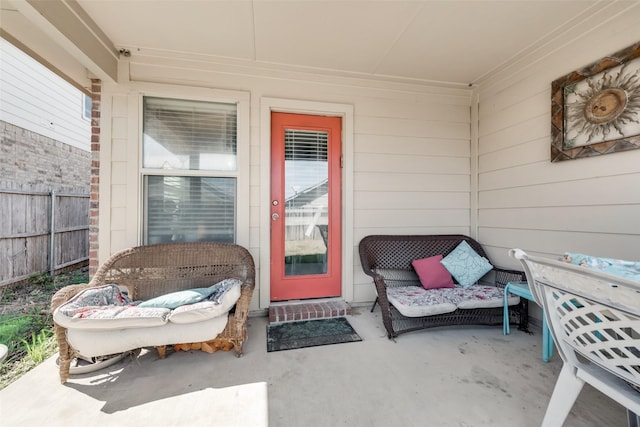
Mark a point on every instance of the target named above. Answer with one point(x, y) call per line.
point(38, 100)
point(411, 218)
point(614, 219)
point(371, 181)
point(384, 163)
point(433, 108)
point(528, 130)
point(399, 199)
point(415, 128)
point(384, 144)
point(545, 172)
point(610, 190)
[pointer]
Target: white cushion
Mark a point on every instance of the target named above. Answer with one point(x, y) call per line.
point(204, 310)
point(115, 318)
point(102, 342)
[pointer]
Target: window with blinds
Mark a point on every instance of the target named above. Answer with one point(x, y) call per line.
point(190, 135)
point(194, 136)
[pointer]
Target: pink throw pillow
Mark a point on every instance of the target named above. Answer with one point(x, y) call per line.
point(432, 274)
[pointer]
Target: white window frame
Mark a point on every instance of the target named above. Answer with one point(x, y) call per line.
point(86, 114)
point(242, 172)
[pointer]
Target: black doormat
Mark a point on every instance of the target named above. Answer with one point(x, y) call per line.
point(310, 333)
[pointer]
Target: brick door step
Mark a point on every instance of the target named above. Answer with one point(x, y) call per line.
point(307, 310)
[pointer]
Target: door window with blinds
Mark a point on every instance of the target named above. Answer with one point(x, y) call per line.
point(306, 190)
point(189, 161)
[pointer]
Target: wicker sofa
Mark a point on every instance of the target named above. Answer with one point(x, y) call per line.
point(152, 271)
point(388, 260)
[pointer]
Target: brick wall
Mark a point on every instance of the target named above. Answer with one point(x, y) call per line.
point(31, 166)
point(30, 158)
point(94, 212)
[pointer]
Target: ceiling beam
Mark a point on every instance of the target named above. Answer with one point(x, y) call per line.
point(66, 23)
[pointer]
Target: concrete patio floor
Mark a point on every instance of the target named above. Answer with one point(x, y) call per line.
point(462, 376)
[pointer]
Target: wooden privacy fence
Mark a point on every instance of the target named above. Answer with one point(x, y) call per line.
point(41, 231)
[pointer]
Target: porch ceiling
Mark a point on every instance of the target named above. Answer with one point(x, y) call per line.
point(440, 41)
point(422, 41)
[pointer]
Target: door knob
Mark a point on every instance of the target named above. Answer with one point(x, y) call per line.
point(275, 216)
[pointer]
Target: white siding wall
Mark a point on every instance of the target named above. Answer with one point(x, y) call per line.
point(587, 205)
point(411, 159)
point(411, 168)
point(36, 99)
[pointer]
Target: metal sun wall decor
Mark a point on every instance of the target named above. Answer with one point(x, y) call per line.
point(596, 110)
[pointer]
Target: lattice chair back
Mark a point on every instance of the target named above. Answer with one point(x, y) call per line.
point(594, 318)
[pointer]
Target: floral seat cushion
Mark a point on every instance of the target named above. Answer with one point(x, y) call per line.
point(106, 307)
point(415, 301)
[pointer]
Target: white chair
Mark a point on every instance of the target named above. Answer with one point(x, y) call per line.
point(595, 322)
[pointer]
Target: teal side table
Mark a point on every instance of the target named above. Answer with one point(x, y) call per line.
point(522, 290)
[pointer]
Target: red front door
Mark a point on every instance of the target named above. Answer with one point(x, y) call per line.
point(305, 206)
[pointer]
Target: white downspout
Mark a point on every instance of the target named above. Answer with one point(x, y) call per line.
point(473, 206)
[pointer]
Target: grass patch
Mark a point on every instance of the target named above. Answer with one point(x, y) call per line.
point(42, 280)
point(13, 329)
point(26, 324)
point(38, 348)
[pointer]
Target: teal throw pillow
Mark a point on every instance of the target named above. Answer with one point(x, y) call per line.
point(465, 265)
point(176, 299)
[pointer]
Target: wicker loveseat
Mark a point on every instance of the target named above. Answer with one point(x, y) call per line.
point(388, 260)
point(151, 271)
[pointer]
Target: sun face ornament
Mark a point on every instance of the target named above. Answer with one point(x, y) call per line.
point(603, 107)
